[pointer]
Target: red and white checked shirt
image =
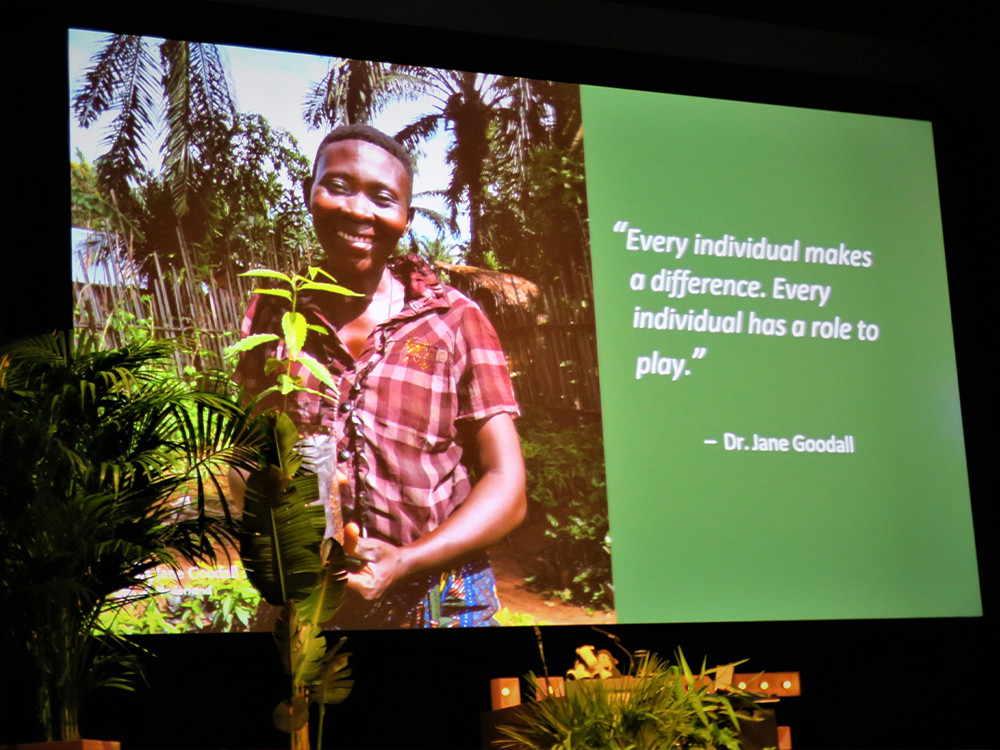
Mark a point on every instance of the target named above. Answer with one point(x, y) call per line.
point(406, 404)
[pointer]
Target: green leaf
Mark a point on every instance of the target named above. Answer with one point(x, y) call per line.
point(286, 384)
point(289, 716)
point(267, 273)
point(272, 365)
point(301, 646)
point(326, 598)
point(322, 286)
point(283, 293)
point(250, 342)
point(332, 686)
point(308, 650)
point(282, 559)
point(282, 531)
point(319, 370)
point(293, 324)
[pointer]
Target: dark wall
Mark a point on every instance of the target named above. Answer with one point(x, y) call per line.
point(884, 684)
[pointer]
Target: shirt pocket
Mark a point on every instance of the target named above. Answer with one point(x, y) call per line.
point(417, 394)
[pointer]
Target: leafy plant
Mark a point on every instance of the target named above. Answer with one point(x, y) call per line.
point(662, 706)
point(537, 219)
point(295, 329)
point(109, 466)
point(282, 535)
point(567, 497)
point(294, 567)
point(230, 605)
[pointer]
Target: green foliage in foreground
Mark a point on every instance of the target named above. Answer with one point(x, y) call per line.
point(295, 330)
point(109, 466)
point(668, 706)
point(295, 568)
point(282, 543)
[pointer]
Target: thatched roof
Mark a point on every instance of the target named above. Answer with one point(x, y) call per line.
point(506, 289)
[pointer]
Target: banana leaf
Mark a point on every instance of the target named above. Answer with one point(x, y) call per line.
point(280, 543)
point(283, 528)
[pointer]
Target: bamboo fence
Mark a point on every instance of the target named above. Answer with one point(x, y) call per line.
point(548, 333)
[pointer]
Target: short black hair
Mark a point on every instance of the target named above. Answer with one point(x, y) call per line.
point(361, 132)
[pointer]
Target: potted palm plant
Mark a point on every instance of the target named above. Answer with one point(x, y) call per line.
point(110, 467)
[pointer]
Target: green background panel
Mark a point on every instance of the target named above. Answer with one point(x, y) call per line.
point(705, 534)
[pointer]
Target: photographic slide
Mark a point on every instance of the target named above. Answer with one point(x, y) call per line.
point(726, 324)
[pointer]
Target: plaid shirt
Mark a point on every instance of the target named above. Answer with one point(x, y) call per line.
point(425, 375)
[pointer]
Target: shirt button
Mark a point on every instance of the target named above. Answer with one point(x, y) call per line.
point(345, 407)
point(344, 455)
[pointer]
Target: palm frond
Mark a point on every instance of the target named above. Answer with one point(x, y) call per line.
point(178, 156)
point(210, 84)
point(418, 130)
point(123, 78)
point(199, 112)
point(356, 91)
point(441, 222)
point(109, 463)
point(280, 548)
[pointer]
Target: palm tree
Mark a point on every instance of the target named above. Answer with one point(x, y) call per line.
point(538, 213)
point(355, 91)
point(109, 465)
point(223, 196)
point(494, 120)
point(505, 131)
point(191, 83)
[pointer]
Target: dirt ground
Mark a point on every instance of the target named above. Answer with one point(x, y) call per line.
point(531, 608)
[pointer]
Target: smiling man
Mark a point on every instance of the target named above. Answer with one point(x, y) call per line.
point(421, 447)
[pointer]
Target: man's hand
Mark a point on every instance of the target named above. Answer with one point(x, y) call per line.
point(384, 564)
point(493, 509)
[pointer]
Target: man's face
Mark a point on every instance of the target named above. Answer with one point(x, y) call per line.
point(360, 204)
